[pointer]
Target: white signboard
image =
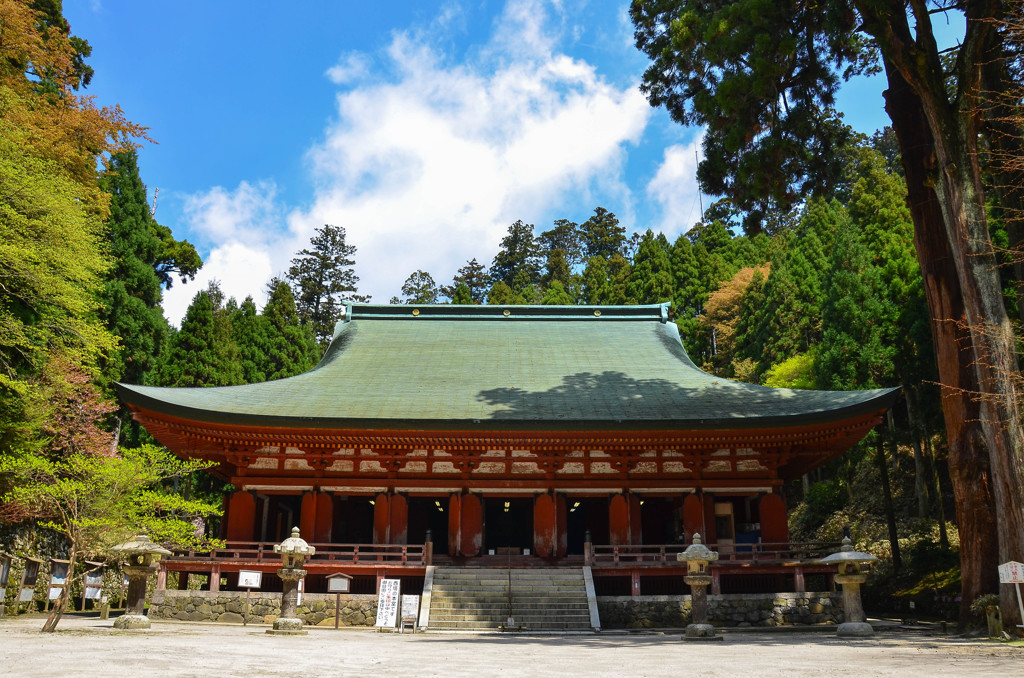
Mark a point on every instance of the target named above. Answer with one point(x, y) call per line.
point(249, 579)
point(410, 609)
point(1011, 573)
point(387, 603)
point(93, 584)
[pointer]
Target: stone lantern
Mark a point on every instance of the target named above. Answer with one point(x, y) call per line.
point(294, 550)
point(698, 557)
point(141, 555)
point(853, 567)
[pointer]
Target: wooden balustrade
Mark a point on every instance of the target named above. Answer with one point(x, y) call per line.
point(661, 555)
point(348, 554)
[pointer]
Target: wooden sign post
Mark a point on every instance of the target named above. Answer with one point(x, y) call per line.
point(337, 584)
point(249, 580)
point(1013, 573)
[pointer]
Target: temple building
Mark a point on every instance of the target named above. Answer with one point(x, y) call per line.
point(551, 433)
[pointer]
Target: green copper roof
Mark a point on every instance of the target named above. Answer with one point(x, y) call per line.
point(511, 368)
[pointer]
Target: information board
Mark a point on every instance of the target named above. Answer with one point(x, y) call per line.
point(410, 609)
point(58, 577)
point(93, 584)
point(387, 603)
point(249, 579)
point(1011, 573)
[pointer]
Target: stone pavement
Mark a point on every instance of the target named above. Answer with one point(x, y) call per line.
point(88, 646)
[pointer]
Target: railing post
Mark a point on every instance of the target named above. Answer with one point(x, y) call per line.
point(634, 580)
point(588, 549)
point(428, 548)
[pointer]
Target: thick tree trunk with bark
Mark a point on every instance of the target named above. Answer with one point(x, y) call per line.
point(939, 142)
point(968, 454)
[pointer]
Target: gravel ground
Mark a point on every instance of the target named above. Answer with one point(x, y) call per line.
point(86, 645)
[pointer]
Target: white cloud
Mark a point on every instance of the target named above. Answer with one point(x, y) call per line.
point(249, 212)
point(245, 227)
point(350, 67)
point(427, 166)
point(674, 188)
point(429, 169)
point(241, 269)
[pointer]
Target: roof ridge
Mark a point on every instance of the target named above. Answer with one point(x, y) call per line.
point(357, 311)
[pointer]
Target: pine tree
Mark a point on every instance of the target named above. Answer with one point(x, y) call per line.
point(651, 280)
point(202, 352)
point(517, 263)
point(475, 277)
point(602, 235)
point(420, 288)
point(462, 296)
point(142, 262)
point(291, 347)
point(321, 277)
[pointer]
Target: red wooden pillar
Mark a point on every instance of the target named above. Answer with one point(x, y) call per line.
point(381, 519)
point(711, 536)
point(324, 517)
point(774, 523)
point(398, 519)
point(636, 532)
point(241, 517)
point(562, 525)
point(618, 520)
point(545, 526)
point(693, 516)
point(454, 524)
point(472, 528)
point(307, 516)
point(624, 520)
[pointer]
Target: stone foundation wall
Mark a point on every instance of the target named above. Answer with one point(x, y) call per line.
point(737, 610)
point(317, 609)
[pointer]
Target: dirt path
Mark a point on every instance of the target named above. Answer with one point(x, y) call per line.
point(89, 646)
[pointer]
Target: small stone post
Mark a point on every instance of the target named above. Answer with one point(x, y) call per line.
point(697, 557)
point(294, 550)
point(142, 555)
point(852, 573)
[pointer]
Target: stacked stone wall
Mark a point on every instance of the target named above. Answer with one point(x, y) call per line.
point(229, 607)
point(727, 610)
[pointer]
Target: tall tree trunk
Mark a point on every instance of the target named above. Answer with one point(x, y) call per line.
point(968, 454)
point(920, 472)
point(61, 604)
point(890, 513)
point(939, 142)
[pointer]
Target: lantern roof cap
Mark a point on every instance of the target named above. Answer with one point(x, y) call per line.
point(295, 545)
point(697, 551)
point(847, 554)
point(141, 545)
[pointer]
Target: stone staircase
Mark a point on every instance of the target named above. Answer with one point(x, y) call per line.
point(474, 599)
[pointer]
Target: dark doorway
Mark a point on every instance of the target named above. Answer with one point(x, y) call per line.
point(429, 513)
point(659, 519)
point(280, 513)
point(353, 520)
point(508, 522)
point(586, 514)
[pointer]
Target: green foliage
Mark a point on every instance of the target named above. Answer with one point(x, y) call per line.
point(321, 277)
point(517, 263)
point(144, 255)
point(651, 280)
point(202, 353)
point(602, 235)
point(462, 295)
point(555, 294)
point(760, 77)
point(793, 372)
point(476, 279)
point(420, 288)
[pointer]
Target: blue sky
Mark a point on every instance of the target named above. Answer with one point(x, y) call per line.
point(424, 128)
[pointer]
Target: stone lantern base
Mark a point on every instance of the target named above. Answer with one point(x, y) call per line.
point(701, 632)
point(855, 630)
point(132, 621)
point(288, 626)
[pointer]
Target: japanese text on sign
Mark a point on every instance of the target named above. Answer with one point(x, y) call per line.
point(387, 603)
